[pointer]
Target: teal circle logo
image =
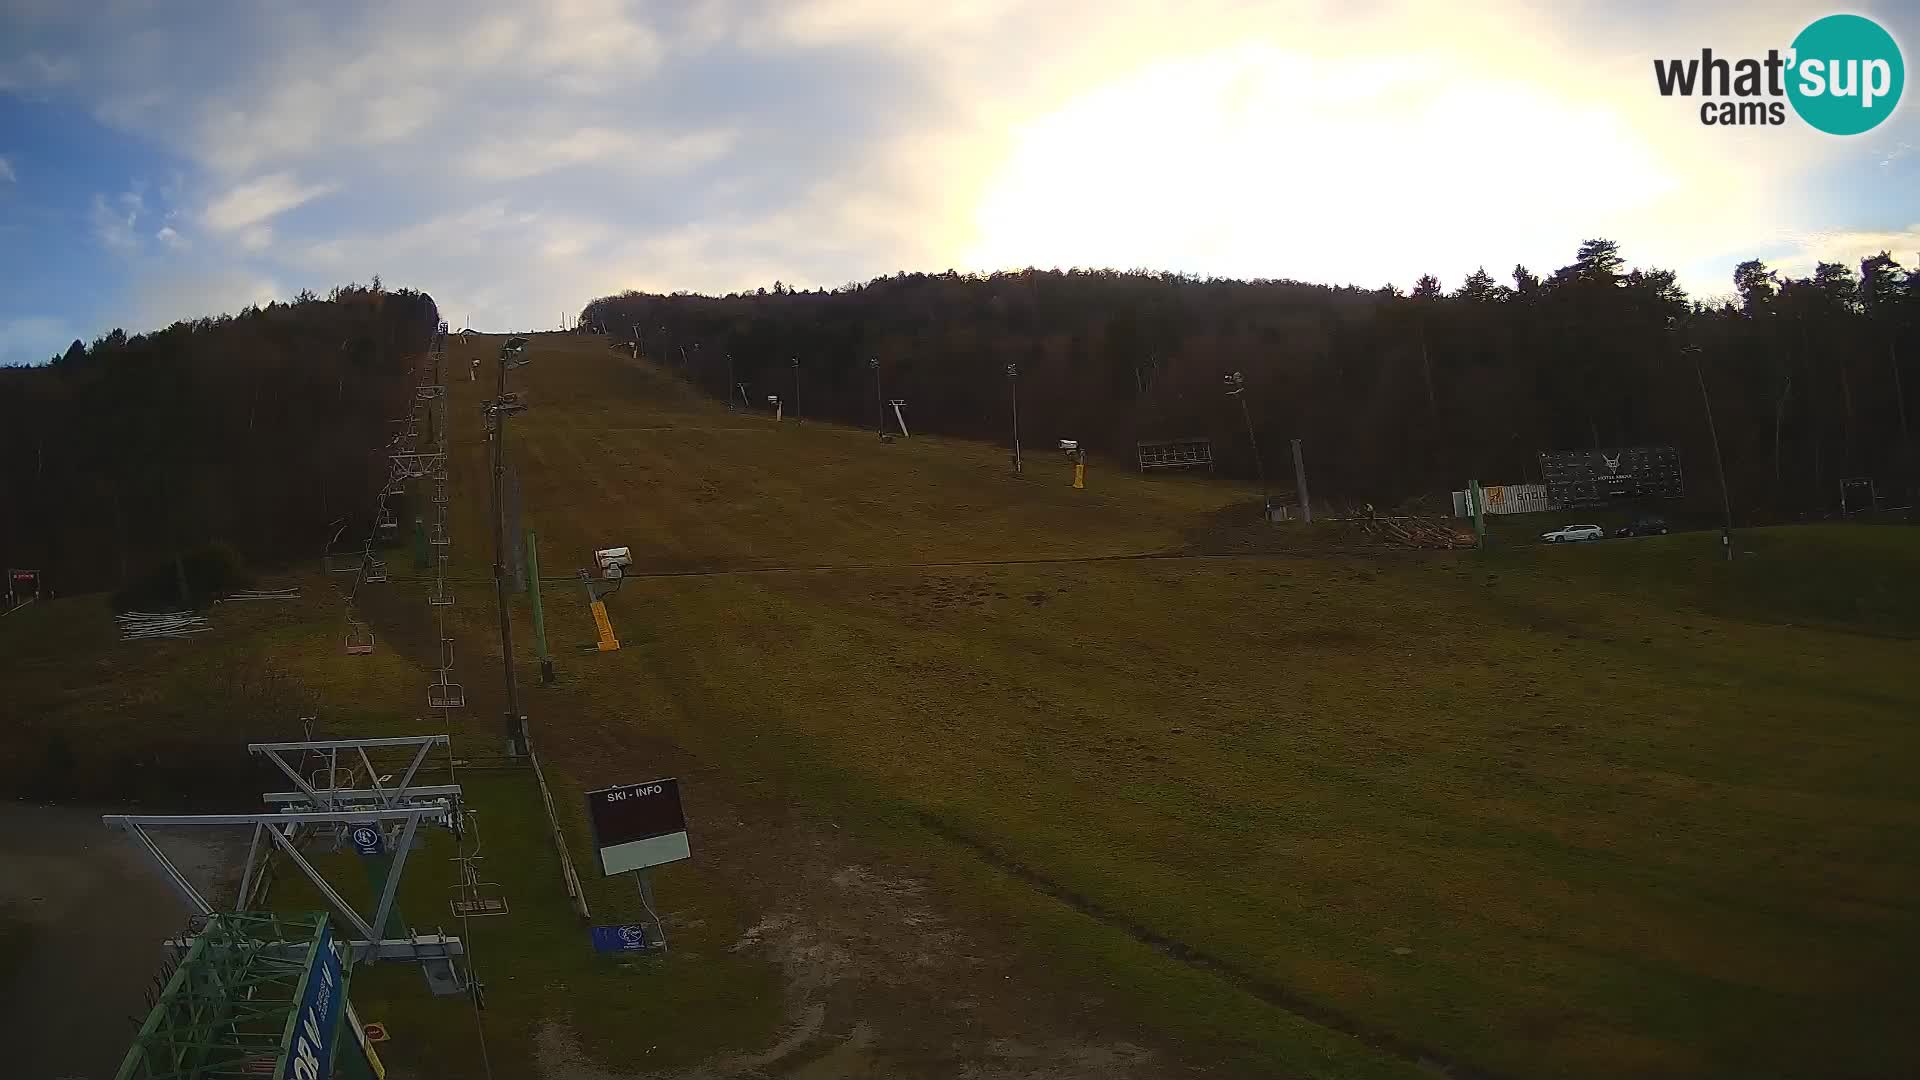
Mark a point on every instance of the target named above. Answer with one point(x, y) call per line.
point(1847, 74)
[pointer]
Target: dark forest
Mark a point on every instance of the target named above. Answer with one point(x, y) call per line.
point(256, 431)
point(1394, 395)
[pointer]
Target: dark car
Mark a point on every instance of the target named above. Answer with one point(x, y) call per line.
point(1649, 525)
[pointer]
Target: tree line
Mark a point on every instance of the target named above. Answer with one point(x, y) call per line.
point(255, 431)
point(1394, 394)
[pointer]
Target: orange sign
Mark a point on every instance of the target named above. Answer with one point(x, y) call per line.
point(608, 643)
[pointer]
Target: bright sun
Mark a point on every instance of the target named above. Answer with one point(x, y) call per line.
point(1253, 161)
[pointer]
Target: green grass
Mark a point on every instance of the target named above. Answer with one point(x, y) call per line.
point(1583, 811)
point(1847, 577)
point(1601, 810)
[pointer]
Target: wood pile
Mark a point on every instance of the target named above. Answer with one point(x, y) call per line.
point(1427, 534)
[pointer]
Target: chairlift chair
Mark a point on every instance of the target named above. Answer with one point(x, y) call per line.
point(376, 570)
point(474, 898)
point(446, 695)
point(359, 638)
point(333, 779)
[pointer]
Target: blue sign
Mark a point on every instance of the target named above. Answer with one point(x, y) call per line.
point(629, 938)
point(310, 1055)
point(367, 840)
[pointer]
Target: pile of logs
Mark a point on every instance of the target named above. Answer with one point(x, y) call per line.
point(142, 625)
point(1429, 534)
point(264, 594)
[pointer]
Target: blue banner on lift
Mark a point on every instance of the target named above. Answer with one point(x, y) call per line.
point(614, 939)
point(310, 1054)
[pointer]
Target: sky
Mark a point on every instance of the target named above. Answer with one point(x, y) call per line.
point(161, 161)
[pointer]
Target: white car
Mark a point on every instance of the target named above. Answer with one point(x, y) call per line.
point(1574, 534)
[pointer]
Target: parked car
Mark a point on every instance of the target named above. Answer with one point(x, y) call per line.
point(1647, 525)
point(1571, 534)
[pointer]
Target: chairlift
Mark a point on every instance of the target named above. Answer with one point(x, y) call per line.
point(474, 898)
point(376, 570)
point(441, 596)
point(331, 779)
point(359, 638)
point(446, 695)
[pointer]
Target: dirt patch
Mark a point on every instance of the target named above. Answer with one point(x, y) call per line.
point(881, 977)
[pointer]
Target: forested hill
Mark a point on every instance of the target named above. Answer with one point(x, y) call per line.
point(1394, 395)
point(256, 431)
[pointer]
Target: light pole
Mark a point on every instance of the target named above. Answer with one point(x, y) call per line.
point(1013, 385)
point(1726, 504)
point(879, 400)
point(1236, 388)
point(795, 402)
point(512, 354)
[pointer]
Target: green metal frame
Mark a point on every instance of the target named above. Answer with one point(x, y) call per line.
point(229, 1004)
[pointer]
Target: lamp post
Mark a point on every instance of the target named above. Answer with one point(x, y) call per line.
point(795, 400)
point(512, 354)
point(879, 400)
point(1236, 388)
point(1726, 504)
point(1013, 385)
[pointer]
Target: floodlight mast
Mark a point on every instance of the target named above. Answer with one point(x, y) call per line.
point(498, 410)
point(1013, 385)
point(1236, 388)
point(1706, 402)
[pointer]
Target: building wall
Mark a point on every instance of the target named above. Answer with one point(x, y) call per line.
point(1508, 499)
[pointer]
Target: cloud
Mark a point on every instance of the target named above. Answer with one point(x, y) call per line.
point(257, 200)
point(6, 171)
point(634, 153)
point(1849, 247)
point(172, 239)
point(114, 220)
point(36, 72)
point(516, 158)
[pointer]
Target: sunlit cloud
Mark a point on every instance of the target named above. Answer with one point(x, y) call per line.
point(517, 159)
point(258, 200)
